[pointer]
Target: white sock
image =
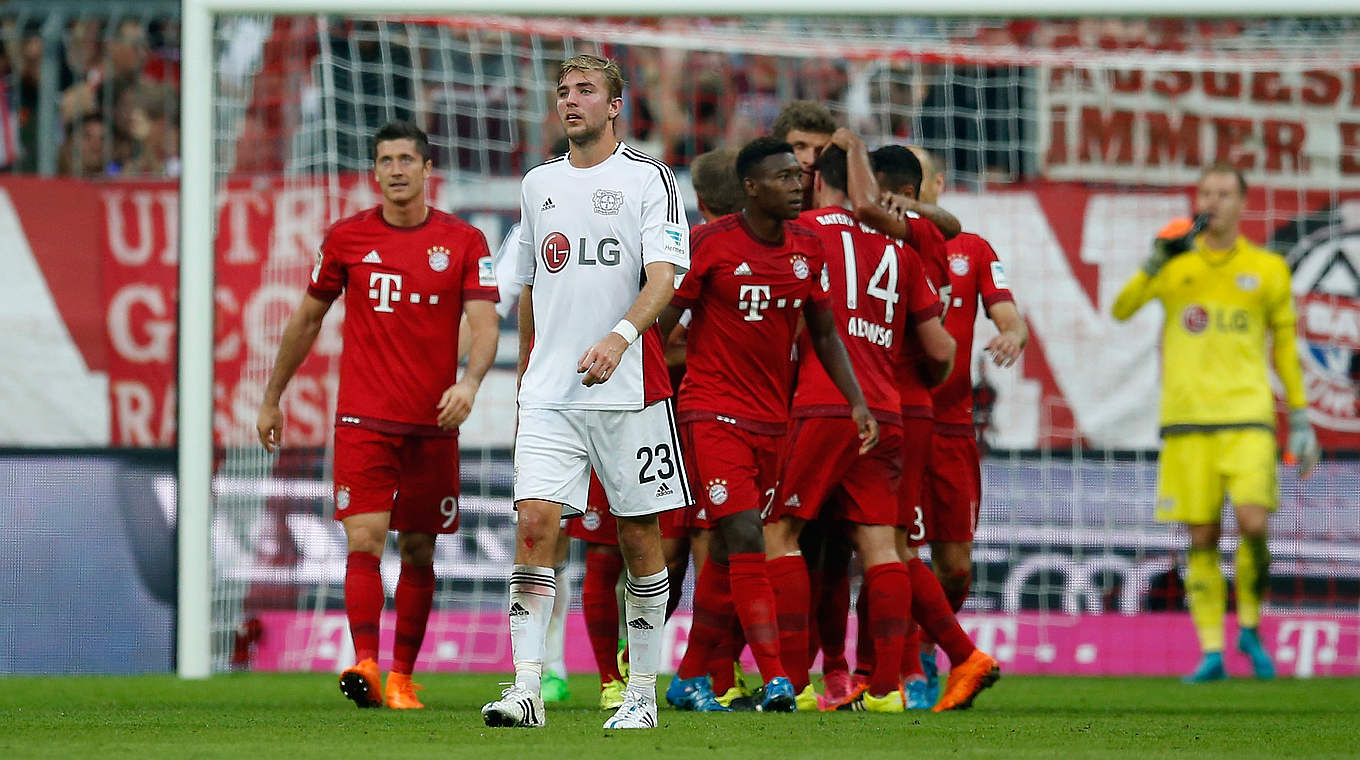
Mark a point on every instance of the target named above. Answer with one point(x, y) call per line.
point(532, 590)
point(555, 656)
point(645, 611)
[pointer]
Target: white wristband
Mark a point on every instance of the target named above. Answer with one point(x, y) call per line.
point(626, 330)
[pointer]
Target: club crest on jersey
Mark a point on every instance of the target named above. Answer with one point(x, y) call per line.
point(1195, 319)
point(439, 258)
point(800, 267)
point(556, 251)
point(591, 519)
point(958, 265)
point(1325, 286)
point(341, 498)
point(607, 202)
point(1247, 282)
point(717, 492)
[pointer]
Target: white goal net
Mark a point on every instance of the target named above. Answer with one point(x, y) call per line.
point(1067, 144)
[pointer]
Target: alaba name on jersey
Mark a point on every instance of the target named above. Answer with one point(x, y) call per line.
point(404, 291)
point(745, 296)
point(879, 293)
point(975, 274)
point(586, 236)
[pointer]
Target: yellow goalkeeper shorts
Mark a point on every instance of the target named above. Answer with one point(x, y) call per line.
point(1198, 469)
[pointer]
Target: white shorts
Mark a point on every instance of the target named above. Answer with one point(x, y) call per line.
point(636, 455)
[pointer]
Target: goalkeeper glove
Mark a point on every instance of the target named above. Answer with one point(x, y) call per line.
point(1303, 445)
point(1173, 240)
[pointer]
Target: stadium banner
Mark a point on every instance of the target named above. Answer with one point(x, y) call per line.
point(1151, 123)
point(1147, 644)
point(95, 325)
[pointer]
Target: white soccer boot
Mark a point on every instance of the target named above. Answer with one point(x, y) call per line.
point(518, 707)
point(637, 711)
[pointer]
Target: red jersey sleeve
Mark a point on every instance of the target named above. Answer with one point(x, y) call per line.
point(929, 241)
point(820, 293)
point(923, 302)
point(479, 273)
point(692, 284)
point(993, 286)
point(329, 275)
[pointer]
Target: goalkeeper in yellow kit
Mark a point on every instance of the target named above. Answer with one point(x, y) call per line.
point(1222, 295)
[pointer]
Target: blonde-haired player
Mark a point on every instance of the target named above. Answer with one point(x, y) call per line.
point(1222, 295)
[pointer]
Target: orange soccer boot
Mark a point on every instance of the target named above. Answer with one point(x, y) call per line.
point(401, 692)
point(362, 683)
point(967, 681)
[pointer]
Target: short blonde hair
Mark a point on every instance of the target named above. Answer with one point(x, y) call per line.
point(584, 62)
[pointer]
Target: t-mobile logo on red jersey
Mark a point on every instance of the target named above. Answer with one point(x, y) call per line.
point(385, 288)
point(754, 299)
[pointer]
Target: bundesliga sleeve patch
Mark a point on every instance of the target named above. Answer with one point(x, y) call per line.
point(999, 276)
point(486, 272)
point(675, 240)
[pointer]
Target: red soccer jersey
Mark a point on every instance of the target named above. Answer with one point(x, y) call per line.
point(879, 293)
point(745, 296)
point(929, 242)
point(404, 291)
point(975, 274)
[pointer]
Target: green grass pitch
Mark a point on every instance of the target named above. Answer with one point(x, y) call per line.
point(303, 716)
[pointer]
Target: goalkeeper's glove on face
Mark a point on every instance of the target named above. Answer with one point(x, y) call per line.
point(1303, 445)
point(1173, 240)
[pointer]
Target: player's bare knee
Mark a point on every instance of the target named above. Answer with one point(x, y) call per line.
point(743, 533)
point(1204, 536)
point(417, 549)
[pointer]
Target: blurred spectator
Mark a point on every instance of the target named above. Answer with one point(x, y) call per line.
point(153, 125)
point(85, 148)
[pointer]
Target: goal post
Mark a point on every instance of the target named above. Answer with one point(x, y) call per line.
point(1082, 468)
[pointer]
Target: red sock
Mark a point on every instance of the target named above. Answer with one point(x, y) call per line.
point(363, 602)
point(601, 607)
point(956, 587)
point(864, 643)
point(889, 606)
point(415, 595)
point(835, 616)
point(754, 600)
point(814, 614)
point(725, 656)
point(789, 579)
point(713, 615)
point(911, 653)
point(931, 609)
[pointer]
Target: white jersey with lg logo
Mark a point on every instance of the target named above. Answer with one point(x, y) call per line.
point(585, 237)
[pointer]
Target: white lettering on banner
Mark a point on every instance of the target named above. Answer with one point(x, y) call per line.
point(300, 221)
point(259, 320)
point(244, 208)
point(116, 225)
point(995, 635)
point(228, 347)
point(388, 290)
point(132, 407)
point(1307, 644)
point(158, 331)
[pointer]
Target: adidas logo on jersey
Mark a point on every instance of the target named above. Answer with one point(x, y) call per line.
point(743, 269)
point(640, 624)
point(372, 257)
point(547, 206)
point(793, 501)
point(664, 490)
point(517, 610)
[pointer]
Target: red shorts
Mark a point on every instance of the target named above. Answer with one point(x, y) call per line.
point(823, 458)
point(413, 477)
point(917, 436)
point(953, 488)
point(599, 526)
point(733, 470)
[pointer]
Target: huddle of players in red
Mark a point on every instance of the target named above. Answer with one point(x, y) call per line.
point(794, 458)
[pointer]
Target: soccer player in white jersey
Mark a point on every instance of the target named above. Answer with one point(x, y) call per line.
point(603, 235)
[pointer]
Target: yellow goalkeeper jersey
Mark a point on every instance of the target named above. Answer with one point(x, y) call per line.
point(1219, 305)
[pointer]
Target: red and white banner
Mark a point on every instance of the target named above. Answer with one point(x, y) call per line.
point(1286, 128)
point(90, 333)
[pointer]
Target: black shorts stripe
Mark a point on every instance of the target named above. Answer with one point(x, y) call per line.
point(667, 180)
point(679, 452)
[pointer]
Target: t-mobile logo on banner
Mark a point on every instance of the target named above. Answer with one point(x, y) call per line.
point(385, 288)
point(1308, 643)
point(754, 299)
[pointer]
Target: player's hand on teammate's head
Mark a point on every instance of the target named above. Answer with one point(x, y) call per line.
point(868, 428)
point(456, 404)
point(269, 426)
point(895, 204)
point(844, 138)
point(600, 360)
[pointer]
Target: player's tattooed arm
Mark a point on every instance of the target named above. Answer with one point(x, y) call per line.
point(298, 337)
point(456, 403)
point(821, 326)
point(600, 360)
point(1005, 348)
point(526, 331)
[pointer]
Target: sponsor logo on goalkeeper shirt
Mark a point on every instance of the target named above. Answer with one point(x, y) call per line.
point(1327, 303)
point(1195, 319)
